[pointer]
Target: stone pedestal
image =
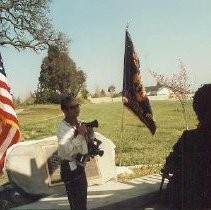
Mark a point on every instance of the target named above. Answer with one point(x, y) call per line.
point(34, 165)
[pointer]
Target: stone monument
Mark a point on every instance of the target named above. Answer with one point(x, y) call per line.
point(34, 166)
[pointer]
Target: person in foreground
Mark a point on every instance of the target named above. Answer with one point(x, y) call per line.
point(71, 142)
point(190, 161)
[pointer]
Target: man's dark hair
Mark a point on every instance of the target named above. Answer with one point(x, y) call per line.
point(65, 100)
point(202, 103)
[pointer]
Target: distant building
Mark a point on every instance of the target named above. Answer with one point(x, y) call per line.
point(158, 90)
point(164, 91)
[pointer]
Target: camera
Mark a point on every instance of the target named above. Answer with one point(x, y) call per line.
point(92, 124)
point(93, 148)
point(92, 144)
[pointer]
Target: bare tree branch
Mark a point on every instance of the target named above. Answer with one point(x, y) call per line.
point(178, 84)
point(25, 24)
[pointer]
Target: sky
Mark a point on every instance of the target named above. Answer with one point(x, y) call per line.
point(162, 31)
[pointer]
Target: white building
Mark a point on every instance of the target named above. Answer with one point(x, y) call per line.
point(164, 91)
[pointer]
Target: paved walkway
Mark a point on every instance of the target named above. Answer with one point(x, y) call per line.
point(112, 195)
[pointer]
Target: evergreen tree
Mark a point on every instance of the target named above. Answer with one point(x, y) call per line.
point(59, 74)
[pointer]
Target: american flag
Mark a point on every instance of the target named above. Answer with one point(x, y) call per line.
point(9, 126)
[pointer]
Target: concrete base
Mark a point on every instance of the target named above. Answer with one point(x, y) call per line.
point(34, 166)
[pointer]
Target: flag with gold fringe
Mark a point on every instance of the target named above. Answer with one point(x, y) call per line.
point(9, 126)
point(134, 94)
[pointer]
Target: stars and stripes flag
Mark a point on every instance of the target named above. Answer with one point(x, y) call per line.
point(134, 94)
point(9, 126)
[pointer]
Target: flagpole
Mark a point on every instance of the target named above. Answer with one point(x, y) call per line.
point(121, 134)
point(122, 120)
point(133, 93)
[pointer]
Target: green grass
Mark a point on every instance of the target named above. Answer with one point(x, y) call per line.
point(137, 145)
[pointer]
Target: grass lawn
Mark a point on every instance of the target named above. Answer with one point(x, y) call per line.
point(136, 147)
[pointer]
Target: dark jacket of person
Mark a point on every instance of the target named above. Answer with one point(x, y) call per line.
point(190, 164)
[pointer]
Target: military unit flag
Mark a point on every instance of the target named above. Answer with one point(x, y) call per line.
point(134, 94)
point(9, 126)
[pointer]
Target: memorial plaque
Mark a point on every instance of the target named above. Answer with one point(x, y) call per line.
point(35, 166)
point(92, 169)
point(52, 165)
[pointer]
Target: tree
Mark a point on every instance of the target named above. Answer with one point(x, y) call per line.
point(25, 24)
point(96, 93)
point(102, 93)
point(59, 74)
point(111, 90)
point(84, 92)
point(178, 84)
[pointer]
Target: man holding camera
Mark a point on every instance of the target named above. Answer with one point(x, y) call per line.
point(71, 142)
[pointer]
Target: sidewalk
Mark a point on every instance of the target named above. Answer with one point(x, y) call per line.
point(109, 196)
